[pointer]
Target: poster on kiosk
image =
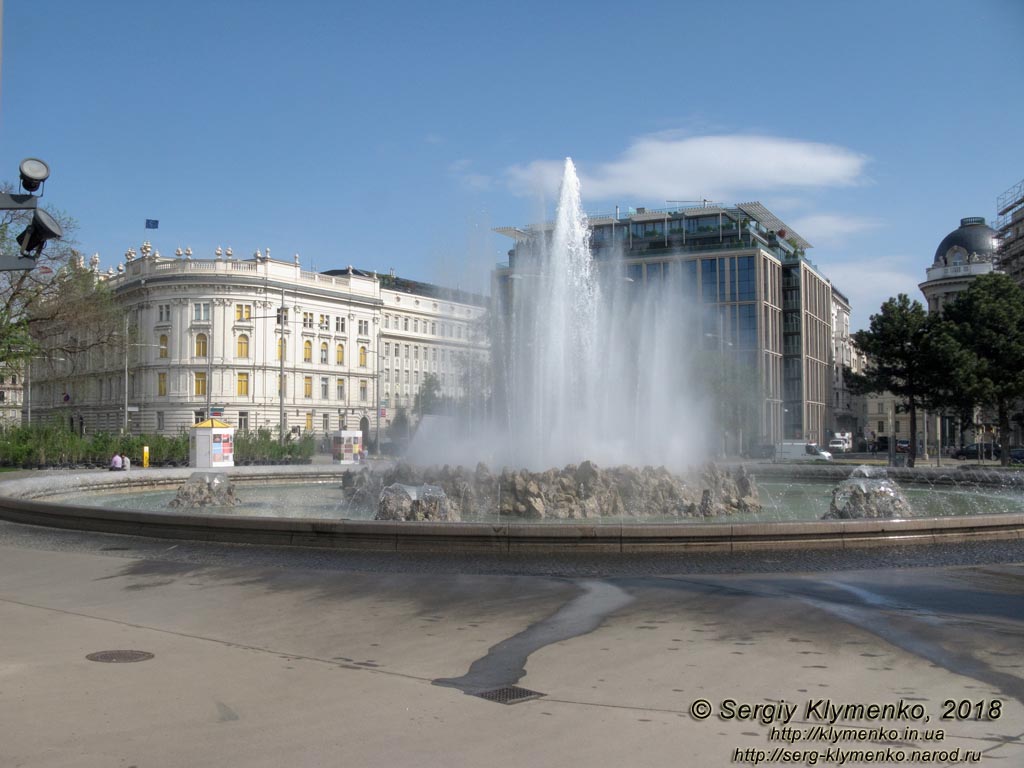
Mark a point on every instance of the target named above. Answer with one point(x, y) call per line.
point(211, 444)
point(348, 446)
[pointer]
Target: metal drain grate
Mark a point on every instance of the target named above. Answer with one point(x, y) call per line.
point(510, 694)
point(120, 657)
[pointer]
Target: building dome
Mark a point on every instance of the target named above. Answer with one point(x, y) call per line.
point(974, 241)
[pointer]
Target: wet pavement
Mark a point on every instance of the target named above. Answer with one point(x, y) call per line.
point(269, 656)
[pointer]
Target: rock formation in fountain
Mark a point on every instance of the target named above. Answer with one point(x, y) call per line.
point(205, 489)
point(864, 496)
point(576, 492)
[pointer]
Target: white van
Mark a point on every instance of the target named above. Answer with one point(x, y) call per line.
point(799, 450)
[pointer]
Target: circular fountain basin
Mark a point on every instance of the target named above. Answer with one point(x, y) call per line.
point(134, 503)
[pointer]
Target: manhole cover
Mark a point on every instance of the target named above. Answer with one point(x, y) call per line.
point(510, 694)
point(120, 657)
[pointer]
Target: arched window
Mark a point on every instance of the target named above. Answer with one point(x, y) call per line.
point(243, 346)
point(201, 345)
point(307, 351)
point(323, 353)
point(340, 354)
point(362, 357)
point(281, 349)
point(163, 345)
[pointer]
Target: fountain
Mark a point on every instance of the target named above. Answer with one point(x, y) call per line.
point(600, 422)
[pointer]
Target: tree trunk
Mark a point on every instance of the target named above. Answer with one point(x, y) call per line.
point(1004, 433)
point(912, 448)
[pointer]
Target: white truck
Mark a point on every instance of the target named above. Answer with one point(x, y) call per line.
point(841, 442)
point(800, 450)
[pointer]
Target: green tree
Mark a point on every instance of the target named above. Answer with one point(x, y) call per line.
point(428, 398)
point(893, 344)
point(987, 320)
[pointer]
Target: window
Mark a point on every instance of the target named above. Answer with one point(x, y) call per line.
point(387, 321)
point(405, 323)
point(327, 423)
point(433, 329)
point(243, 312)
point(881, 426)
point(406, 351)
point(415, 353)
point(307, 351)
point(339, 324)
point(200, 384)
point(364, 327)
point(243, 421)
point(362, 390)
point(387, 349)
point(163, 345)
point(201, 345)
point(309, 422)
point(416, 325)
point(201, 312)
point(242, 346)
point(324, 387)
point(282, 385)
point(323, 353)
point(159, 421)
point(243, 384)
point(282, 316)
point(164, 313)
point(307, 386)
point(896, 427)
point(325, 323)
point(339, 354)
point(161, 384)
point(198, 416)
point(362, 357)
point(282, 349)
point(340, 389)
point(307, 319)
point(398, 348)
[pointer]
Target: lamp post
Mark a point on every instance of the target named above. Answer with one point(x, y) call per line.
point(28, 381)
point(280, 317)
point(127, 345)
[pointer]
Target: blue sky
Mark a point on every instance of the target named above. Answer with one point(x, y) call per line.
point(398, 134)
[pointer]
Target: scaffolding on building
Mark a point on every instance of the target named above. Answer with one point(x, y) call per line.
point(1009, 226)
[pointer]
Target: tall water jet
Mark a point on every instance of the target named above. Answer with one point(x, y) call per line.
point(590, 364)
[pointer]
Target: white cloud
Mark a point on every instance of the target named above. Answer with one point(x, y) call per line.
point(824, 229)
point(461, 171)
point(869, 282)
point(724, 168)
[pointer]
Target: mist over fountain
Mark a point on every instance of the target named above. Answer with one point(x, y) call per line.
point(587, 365)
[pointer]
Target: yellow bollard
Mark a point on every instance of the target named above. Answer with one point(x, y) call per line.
point(145, 456)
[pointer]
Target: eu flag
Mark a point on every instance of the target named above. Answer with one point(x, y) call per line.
point(152, 223)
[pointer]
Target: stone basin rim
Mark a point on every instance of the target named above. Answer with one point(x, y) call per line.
point(24, 500)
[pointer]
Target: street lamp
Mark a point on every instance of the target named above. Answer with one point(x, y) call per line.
point(280, 316)
point(28, 381)
point(43, 227)
point(128, 344)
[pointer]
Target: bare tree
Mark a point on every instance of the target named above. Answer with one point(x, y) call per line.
point(59, 308)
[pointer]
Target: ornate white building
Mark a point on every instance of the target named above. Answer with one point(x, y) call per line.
point(262, 343)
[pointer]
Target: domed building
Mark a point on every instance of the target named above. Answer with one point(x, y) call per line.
point(963, 254)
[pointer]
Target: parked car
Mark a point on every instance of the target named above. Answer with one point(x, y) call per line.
point(837, 445)
point(798, 450)
point(974, 450)
point(902, 446)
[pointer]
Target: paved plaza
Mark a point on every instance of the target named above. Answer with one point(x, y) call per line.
point(292, 657)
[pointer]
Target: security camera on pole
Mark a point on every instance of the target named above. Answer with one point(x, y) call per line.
point(43, 227)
